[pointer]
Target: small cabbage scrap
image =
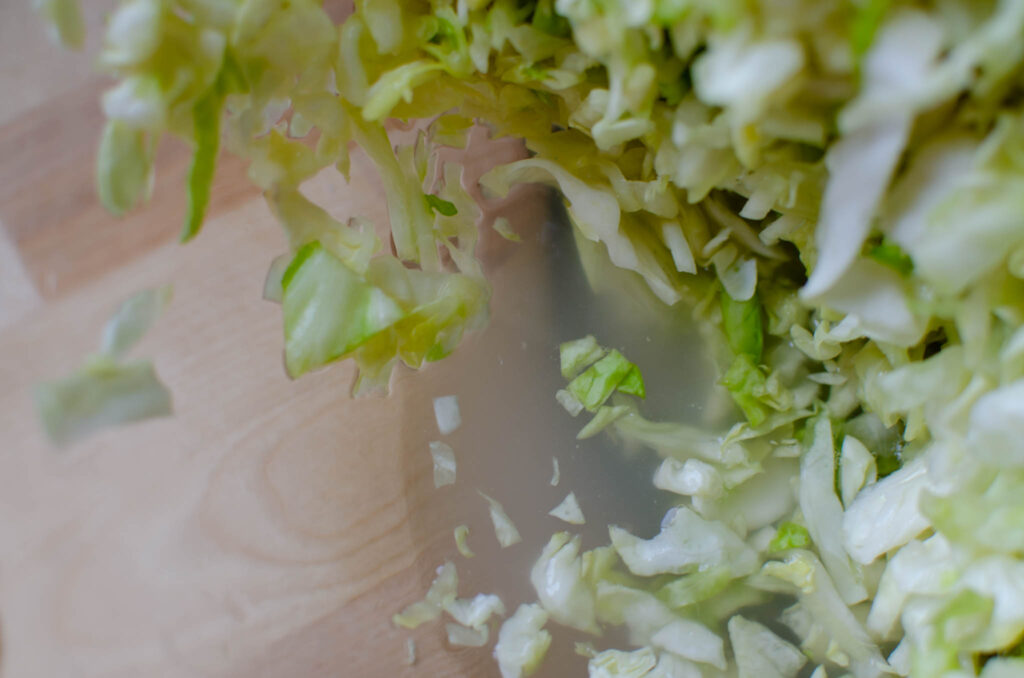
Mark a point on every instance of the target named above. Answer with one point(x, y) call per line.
point(106, 390)
point(577, 355)
point(461, 533)
point(447, 414)
point(462, 636)
point(504, 529)
point(569, 510)
point(790, 536)
point(474, 612)
point(522, 642)
point(100, 394)
point(441, 594)
point(444, 463)
point(595, 384)
point(133, 319)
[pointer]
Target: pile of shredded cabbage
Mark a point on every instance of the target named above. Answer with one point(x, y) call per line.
point(836, 187)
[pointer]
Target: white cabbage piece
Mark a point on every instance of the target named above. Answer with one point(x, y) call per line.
point(686, 543)
point(671, 666)
point(461, 534)
point(557, 577)
point(1001, 667)
point(569, 510)
point(691, 640)
point(444, 463)
point(692, 477)
point(820, 599)
point(622, 664)
point(447, 414)
point(760, 653)
point(996, 426)
point(474, 612)
point(441, 593)
point(100, 394)
point(886, 515)
point(504, 529)
point(522, 642)
point(463, 636)
point(642, 613)
point(919, 568)
point(862, 162)
point(823, 513)
point(410, 651)
point(857, 468)
point(133, 319)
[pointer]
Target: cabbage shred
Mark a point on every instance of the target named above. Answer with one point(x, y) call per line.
point(835, 187)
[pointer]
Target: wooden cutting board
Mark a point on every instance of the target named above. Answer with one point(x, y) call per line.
point(264, 529)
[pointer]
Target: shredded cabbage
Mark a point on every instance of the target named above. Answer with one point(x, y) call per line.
point(832, 189)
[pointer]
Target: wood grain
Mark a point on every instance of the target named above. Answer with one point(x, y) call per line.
point(265, 529)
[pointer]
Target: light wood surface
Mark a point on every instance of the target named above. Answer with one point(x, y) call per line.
point(262, 531)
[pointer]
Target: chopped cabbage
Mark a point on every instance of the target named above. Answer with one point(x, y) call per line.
point(444, 463)
point(762, 654)
point(619, 664)
point(99, 394)
point(522, 642)
point(557, 577)
point(462, 636)
point(504, 529)
point(107, 390)
point(440, 595)
point(447, 414)
point(886, 515)
point(824, 513)
point(474, 612)
point(133, 319)
point(569, 510)
point(691, 640)
point(461, 533)
point(831, 190)
point(686, 543)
